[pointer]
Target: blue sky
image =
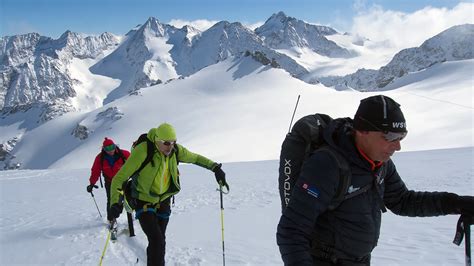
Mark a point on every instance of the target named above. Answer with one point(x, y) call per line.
point(53, 17)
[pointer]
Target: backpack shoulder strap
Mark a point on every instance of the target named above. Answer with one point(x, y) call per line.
point(345, 176)
point(101, 167)
point(150, 151)
point(101, 159)
point(120, 153)
point(176, 152)
point(342, 192)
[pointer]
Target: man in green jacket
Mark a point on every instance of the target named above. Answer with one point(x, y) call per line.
point(156, 183)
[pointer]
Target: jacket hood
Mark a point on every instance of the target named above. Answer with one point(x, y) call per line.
point(152, 134)
point(339, 135)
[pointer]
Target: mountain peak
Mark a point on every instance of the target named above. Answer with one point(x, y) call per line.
point(152, 21)
point(221, 24)
point(154, 27)
point(277, 20)
point(67, 34)
point(280, 21)
point(283, 32)
point(226, 26)
point(280, 16)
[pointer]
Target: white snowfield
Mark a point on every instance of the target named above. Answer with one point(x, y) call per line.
point(48, 218)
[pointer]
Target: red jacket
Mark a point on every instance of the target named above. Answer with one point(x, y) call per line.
point(108, 171)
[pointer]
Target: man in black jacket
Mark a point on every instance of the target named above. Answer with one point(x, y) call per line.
point(311, 234)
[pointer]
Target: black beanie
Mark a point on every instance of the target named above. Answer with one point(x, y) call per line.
point(379, 113)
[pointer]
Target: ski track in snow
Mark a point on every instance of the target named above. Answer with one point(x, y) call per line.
point(50, 214)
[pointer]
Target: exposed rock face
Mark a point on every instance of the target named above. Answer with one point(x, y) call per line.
point(6, 158)
point(34, 69)
point(110, 114)
point(81, 132)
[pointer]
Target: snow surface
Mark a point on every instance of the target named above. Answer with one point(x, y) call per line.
point(48, 218)
point(93, 89)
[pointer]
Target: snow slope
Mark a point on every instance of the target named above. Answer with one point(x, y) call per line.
point(48, 218)
point(239, 110)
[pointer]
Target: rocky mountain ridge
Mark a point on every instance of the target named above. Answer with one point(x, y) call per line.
point(35, 69)
point(455, 43)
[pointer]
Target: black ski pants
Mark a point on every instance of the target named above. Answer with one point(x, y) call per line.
point(154, 226)
point(107, 190)
point(341, 262)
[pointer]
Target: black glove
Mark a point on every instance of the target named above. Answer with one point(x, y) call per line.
point(455, 204)
point(466, 205)
point(220, 176)
point(90, 187)
point(116, 210)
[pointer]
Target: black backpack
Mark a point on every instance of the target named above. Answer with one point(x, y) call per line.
point(305, 137)
point(150, 150)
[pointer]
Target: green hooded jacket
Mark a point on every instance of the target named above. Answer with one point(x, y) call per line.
point(143, 181)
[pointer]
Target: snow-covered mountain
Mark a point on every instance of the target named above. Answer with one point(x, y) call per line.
point(143, 58)
point(283, 32)
point(157, 52)
point(455, 43)
point(242, 83)
point(35, 70)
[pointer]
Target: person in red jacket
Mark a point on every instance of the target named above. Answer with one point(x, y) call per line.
point(108, 162)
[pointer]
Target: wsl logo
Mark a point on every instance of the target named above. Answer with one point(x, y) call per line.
point(398, 124)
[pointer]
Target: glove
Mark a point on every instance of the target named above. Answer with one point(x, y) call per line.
point(220, 176)
point(466, 205)
point(90, 187)
point(455, 204)
point(116, 210)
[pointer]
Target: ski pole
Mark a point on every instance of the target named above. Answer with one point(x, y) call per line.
point(467, 233)
point(105, 247)
point(92, 194)
point(293, 116)
point(131, 229)
point(222, 223)
point(463, 229)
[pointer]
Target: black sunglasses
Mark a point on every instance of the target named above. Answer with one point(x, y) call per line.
point(166, 142)
point(388, 135)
